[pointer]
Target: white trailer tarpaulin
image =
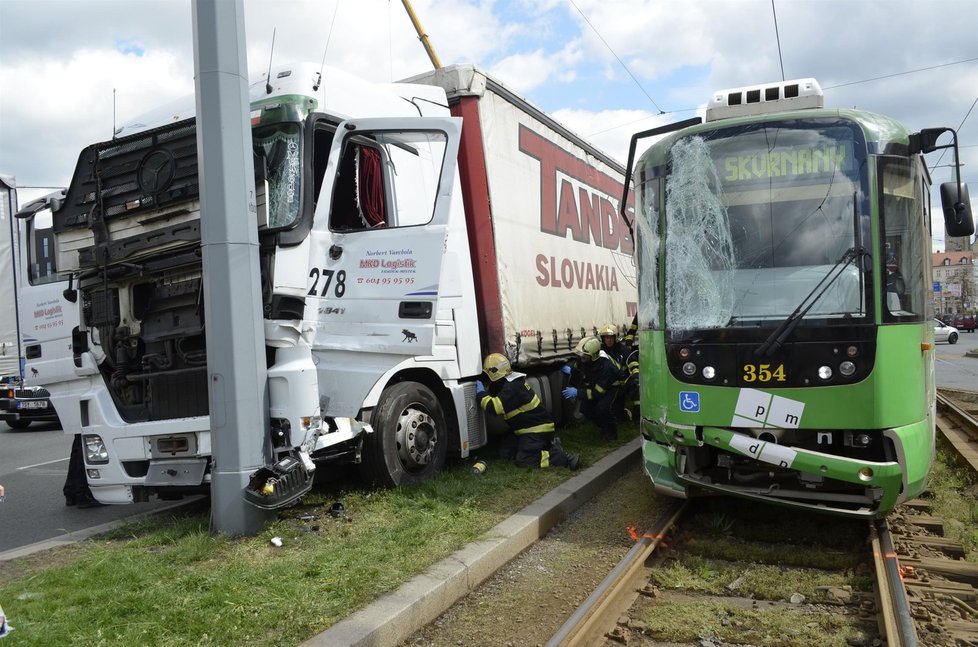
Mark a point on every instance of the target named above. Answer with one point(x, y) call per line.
point(9, 356)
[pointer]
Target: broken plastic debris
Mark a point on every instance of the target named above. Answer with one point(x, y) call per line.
point(277, 542)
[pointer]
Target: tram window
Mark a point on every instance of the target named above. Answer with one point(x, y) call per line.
point(905, 241)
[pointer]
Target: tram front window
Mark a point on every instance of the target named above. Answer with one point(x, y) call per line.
point(756, 217)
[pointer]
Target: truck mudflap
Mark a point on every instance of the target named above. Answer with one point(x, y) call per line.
point(280, 484)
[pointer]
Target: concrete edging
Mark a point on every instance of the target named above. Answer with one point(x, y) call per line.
point(395, 616)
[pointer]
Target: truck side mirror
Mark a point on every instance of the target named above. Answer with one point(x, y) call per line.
point(958, 220)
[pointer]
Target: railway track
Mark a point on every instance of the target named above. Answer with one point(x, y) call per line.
point(719, 572)
point(923, 591)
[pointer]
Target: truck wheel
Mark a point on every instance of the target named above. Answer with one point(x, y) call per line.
point(19, 424)
point(541, 386)
point(557, 383)
point(410, 438)
point(952, 338)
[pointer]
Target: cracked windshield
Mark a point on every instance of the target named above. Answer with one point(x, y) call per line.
point(757, 216)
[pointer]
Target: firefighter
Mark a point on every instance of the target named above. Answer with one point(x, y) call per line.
point(626, 403)
point(597, 395)
point(531, 441)
point(632, 333)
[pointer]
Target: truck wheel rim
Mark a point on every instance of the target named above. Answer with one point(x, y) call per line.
point(416, 438)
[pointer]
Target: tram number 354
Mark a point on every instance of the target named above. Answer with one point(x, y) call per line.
point(764, 373)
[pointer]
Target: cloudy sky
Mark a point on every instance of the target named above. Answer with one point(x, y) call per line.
point(70, 69)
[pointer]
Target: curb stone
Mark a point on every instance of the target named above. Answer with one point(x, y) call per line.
point(393, 617)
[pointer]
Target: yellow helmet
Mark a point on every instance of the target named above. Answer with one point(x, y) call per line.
point(609, 329)
point(589, 346)
point(496, 366)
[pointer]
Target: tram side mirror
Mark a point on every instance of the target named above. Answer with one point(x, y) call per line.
point(958, 220)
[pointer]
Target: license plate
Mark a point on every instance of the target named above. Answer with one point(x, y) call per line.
point(32, 404)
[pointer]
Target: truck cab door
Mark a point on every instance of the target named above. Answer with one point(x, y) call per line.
point(378, 237)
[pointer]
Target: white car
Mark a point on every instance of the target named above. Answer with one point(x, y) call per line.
point(944, 332)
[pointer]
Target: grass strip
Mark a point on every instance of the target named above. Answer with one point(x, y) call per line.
point(169, 581)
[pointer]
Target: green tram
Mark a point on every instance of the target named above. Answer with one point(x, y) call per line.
point(785, 323)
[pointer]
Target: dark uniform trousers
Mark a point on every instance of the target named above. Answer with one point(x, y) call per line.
point(601, 385)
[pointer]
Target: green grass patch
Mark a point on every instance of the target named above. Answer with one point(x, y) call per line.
point(953, 486)
point(687, 621)
point(760, 581)
point(169, 581)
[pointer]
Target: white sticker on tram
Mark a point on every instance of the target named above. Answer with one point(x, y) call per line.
point(763, 451)
point(759, 409)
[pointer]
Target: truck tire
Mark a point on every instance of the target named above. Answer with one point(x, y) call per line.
point(557, 383)
point(541, 386)
point(409, 442)
point(19, 424)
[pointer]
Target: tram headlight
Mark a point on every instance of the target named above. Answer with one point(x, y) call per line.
point(689, 369)
point(824, 373)
point(863, 440)
point(866, 474)
point(852, 351)
point(684, 353)
point(847, 368)
point(709, 372)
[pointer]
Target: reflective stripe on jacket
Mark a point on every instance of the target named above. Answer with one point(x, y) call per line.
point(519, 406)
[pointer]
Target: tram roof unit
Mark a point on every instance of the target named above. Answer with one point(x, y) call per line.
point(797, 94)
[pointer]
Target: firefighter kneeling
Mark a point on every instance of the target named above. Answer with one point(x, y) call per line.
point(531, 440)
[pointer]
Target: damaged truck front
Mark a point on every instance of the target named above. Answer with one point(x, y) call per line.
point(386, 277)
point(128, 235)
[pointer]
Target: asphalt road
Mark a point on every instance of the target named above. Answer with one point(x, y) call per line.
point(955, 370)
point(33, 465)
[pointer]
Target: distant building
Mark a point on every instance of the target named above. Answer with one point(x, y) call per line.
point(956, 276)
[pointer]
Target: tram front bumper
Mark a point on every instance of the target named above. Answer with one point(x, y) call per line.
point(665, 454)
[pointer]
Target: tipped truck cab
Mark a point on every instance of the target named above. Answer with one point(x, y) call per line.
point(398, 246)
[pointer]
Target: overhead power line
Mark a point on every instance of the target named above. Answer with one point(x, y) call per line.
point(890, 76)
point(966, 115)
point(622, 63)
point(778, 37)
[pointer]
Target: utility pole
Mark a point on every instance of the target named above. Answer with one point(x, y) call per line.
point(423, 37)
point(236, 368)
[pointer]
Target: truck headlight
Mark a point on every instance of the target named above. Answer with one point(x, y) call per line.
point(95, 451)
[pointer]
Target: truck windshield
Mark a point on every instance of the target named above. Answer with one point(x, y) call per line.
point(280, 146)
point(756, 216)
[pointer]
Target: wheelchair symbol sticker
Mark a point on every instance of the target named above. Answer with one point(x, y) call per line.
point(689, 401)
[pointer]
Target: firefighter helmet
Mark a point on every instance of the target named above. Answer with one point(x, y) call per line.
point(609, 330)
point(589, 346)
point(496, 366)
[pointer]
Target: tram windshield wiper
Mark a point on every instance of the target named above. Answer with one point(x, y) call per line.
point(777, 337)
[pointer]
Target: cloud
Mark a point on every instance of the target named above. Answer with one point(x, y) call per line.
point(129, 46)
point(527, 71)
point(611, 130)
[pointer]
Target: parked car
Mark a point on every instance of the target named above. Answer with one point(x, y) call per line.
point(964, 323)
point(21, 405)
point(944, 332)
